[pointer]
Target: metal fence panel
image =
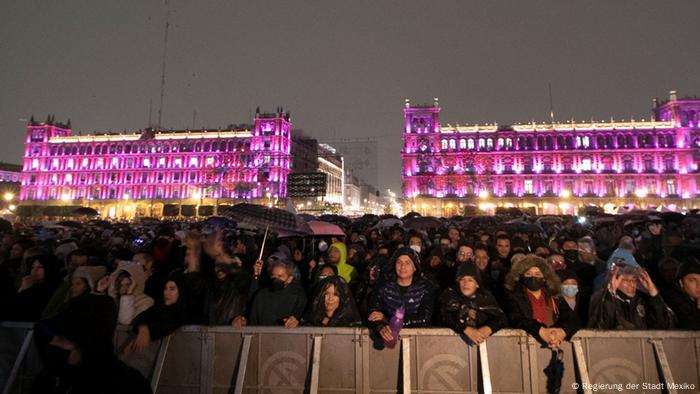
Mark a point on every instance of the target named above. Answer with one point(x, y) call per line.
point(182, 371)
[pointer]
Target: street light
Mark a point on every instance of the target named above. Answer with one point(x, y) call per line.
point(8, 196)
point(483, 194)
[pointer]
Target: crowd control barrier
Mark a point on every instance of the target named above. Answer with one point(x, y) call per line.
point(198, 359)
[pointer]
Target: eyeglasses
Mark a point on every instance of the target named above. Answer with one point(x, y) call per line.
point(465, 254)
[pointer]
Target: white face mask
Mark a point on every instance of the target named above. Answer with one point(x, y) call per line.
point(416, 248)
point(569, 290)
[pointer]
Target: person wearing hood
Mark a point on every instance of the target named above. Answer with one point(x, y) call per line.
point(281, 303)
point(622, 306)
point(435, 268)
point(161, 320)
point(576, 297)
point(585, 272)
point(684, 297)
point(620, 256)
point(126, 287)
point(228, 293)
point(332, 305)
point(73, 258)
point(469, 309)
point(337, 255)
point(37, 287)
point(408, 290)
point(533, 305)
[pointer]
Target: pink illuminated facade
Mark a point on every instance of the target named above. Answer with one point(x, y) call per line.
point(553, 168)
point(138, 173)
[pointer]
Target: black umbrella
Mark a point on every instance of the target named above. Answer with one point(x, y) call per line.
point(676, 217)
point(555, 372)
point(519, 226)
point(86, 211)
point(220, 221)
point(69, 223)
point(411, 215)
point(423, 223)
point(261, 217)
point(5, 226)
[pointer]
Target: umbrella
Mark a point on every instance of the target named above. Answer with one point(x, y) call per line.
point(389, 222)
point(671, 216)
point(219, 221)
point(388, 216)
point(411, 215)
point(555, 371)
point(324, 228)
point(5, 226)
point(306, 217)
point(423, 223)
point(69, 223)
point(262, 217)
point(337, 219)
point(85, 211)
point(519, 226)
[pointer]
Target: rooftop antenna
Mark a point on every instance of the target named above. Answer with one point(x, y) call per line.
point(150, 112)
point(551, 105)
point(162, 75)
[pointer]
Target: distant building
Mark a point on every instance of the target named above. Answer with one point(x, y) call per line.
point(304, 153)
point(140, 173)
point(331, 164)
point(552, 168)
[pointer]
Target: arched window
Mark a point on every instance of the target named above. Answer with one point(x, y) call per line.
point(489, 143)
point(127, 148)
point(509, 143)
point(470, 144)
point(198, 147)
point(482, 143)
point(453, 144)
point(500, 143)
point(207, 146)
point(89, 150)
point(462, 144)
point(104, 149)
point(443, 144)
point(630, 142)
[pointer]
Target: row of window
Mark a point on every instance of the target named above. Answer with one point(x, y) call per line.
point(645, 141)
point(233, 161)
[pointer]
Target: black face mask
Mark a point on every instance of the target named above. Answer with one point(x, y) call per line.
point(571, 255)
point(532, 283)
point(277, 285)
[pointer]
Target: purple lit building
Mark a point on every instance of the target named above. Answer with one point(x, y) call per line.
point(147, 172)
point(553, 168)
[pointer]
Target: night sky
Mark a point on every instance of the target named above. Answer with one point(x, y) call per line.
point(342, 68)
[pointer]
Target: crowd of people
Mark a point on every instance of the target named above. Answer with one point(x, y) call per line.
point(158, 276)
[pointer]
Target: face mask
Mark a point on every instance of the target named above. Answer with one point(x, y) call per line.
point(277, 285)
point(569, 290)
point(532, 283)
point(417, 248)
point(322, 246)
point(322, 277)
point(571, 255)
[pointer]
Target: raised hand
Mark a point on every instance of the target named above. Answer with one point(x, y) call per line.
point(647, 283)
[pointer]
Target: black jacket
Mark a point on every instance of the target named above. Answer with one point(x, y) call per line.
point(519, 310)
point(615, 311)
point(270, 307)
point(345, 316)
point(686, 309)
point(459, 311)
point(417, 299)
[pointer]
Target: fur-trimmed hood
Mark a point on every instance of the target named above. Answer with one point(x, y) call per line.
point(552, 281)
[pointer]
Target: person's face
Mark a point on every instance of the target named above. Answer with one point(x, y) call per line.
point(171, 293)
point(405, 267)
point(331, 299)
point(481, 259)
point(691, 285)
point(124, 286)
point(334, 255)
point(628, 285)
point(445, 242)
point(533, 272)
point(78, 286)
point(542, 251)
point(586, 257)
point(383, 251)
point(77, 261)
point(239, 248)
point(468, 285)
point(464, 254)
point(668, 271)
point(146, 263)
point(17, 251)
point(503, 247)
point(453, 234)
point(37, 272)
point(373, 235)
point(280, 273)
point(354, 237)
point(326, 272)
point(484, 238)
point(570, 282)
point(415, 241)
point(351, 253)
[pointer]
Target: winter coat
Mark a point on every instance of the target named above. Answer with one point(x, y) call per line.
point(133, 304)
point(345, 316)
point(345, 270)
point(270, 307)
point(684, 307)
point(519, 310)
point(91, 274)
point(481, 309)
point(162, 320)
point(610, 311)
point(228, 298)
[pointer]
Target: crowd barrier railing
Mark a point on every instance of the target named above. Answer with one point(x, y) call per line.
point(198, 359)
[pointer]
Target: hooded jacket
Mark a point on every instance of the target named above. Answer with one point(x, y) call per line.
point(518, 306)
point(345, 316)
point(130, 305)
point(618, 312)
point(163, 319)
point(417, 299)
point(345, 270)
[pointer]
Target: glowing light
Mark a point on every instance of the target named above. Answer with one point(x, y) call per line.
point(12, 207)
point(565, 194)
point(483, 194)
point(641, 193)
point(125, 196)
point(8, 196)
point(197, 194)
point(65, 197)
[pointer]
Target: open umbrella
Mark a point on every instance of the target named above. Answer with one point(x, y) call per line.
point(411, 215)
point(306, 217)
point(5, 226)
point(423, 223)
point(324, 228)
point(263, 218)
point(389, 222)
point(519, 226)
point(70, 223)
point(85, 211)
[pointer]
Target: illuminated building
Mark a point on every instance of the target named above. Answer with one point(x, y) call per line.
point(140, 173)
point(552, 168)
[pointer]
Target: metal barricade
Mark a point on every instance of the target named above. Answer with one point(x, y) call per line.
point(202, 360)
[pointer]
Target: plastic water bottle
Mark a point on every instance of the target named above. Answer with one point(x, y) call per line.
point(395, 324)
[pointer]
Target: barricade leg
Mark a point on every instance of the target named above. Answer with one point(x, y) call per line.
point(18, 362)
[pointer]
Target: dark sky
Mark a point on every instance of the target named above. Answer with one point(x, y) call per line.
point(343, 68)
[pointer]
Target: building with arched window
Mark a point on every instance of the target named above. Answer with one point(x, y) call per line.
point(552, 168)
point(156, 172)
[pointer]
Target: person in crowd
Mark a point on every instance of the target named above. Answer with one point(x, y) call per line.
point(337, 255)
point(435, 268)
point(195, 277)
point(73, 260)
point(469, 309)
point(588, 254)
point(532, 303)
point(332, 305)
point(161, 320)
point(621, 305)
point(453, 234)
point(465, 253)
point(684, 297)
point(666, 271)
point(585, 272)
point(126, 287)
point(576, 298)
point(76, 347)
point(482, 261)
point(500, 262)
point(408, 290)
point(36, 288)
point(228, 293)
point(281, 303)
